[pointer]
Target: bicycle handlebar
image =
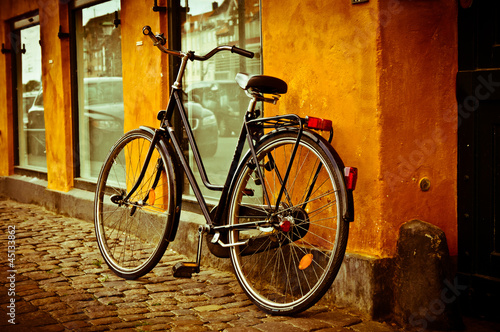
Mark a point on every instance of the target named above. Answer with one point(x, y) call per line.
point(159, 40)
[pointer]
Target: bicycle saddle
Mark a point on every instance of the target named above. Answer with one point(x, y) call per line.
point(261, 83)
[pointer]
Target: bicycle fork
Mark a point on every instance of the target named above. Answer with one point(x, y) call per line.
point(120, 200)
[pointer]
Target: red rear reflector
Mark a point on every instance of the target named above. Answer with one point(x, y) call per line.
point(318, 123)
point(351, 176)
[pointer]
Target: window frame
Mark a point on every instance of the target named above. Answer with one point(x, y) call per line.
point(175, 12)
point(76, 5)
point(16, 25)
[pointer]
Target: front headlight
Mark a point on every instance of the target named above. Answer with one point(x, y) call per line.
point(105, 124)
point(209, 120)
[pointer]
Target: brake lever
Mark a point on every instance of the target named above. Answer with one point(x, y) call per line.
point(160, 38)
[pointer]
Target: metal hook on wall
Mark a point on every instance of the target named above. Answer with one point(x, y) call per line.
point(61, 34)
point(116, 21)
point(5, 50)
point(157, 8)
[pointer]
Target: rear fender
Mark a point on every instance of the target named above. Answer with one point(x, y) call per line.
point(348, 200)
point(347, 196)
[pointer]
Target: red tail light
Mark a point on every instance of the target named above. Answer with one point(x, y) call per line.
point(351, 176)
point(318, 123)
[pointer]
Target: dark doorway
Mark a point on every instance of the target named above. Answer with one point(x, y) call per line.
point(478, 95)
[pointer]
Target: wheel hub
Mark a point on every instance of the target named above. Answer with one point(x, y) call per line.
point(295, 223)
point(286, 224)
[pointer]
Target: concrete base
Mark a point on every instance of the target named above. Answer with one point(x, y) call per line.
point(362, 282)
point(75, 203)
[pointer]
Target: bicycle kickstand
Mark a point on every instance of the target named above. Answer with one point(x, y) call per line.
point(186, 269)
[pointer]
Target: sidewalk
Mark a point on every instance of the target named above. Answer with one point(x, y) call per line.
point(61, 284)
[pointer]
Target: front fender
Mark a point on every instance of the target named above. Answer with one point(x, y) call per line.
point(177, 181)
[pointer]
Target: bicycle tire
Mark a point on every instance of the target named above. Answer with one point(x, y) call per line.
point(289, 264)
point(133, 234)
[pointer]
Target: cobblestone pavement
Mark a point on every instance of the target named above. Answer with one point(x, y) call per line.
point(61, 284)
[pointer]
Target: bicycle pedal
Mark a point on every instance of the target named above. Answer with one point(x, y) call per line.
point(185, 269)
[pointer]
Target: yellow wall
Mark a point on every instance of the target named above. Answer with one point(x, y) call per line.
point(145, 68)
point(327, 53)
point(383, 71)
point(56, 80)
point(6, 116)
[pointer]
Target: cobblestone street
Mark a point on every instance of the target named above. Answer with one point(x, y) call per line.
point(61, 284)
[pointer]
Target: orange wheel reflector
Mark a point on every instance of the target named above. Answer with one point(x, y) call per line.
point(305, 261)
point(152, 196)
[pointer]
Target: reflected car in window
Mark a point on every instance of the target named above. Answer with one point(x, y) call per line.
point(204, 126)
point(34, 124)
point(103, 110)
point(104, 114)
point(225, 99)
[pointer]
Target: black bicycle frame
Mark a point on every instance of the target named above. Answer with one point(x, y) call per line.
point(249, 132)
point(175, 102)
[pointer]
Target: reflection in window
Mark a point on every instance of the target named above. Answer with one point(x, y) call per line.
point(214, 99)
point(100, 89)
point(31, 123)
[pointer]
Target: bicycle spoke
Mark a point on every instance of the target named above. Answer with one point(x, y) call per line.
point(304, 225)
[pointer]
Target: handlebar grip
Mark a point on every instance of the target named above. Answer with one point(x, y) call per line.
point(146, 30)
point(242, 52)
point(157, 39)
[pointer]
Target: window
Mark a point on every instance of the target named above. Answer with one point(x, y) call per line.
point(28, 82)
point(99, 82)
point(215, 103)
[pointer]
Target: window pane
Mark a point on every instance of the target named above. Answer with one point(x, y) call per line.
point(100, 91)
point(31, 123)
point(216, 104)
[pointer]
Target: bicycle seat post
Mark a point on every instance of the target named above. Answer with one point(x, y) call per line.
point(251, 108)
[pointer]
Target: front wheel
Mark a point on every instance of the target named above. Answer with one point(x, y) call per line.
point(133, 232)
point(291, 258)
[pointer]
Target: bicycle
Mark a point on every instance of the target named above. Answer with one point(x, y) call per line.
point(284, 210)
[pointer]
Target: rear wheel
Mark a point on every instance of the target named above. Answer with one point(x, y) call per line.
point(132, 232)
point(288, 262)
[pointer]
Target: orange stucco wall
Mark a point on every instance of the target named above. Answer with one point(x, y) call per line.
point(384, 72)
point(417, 91)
